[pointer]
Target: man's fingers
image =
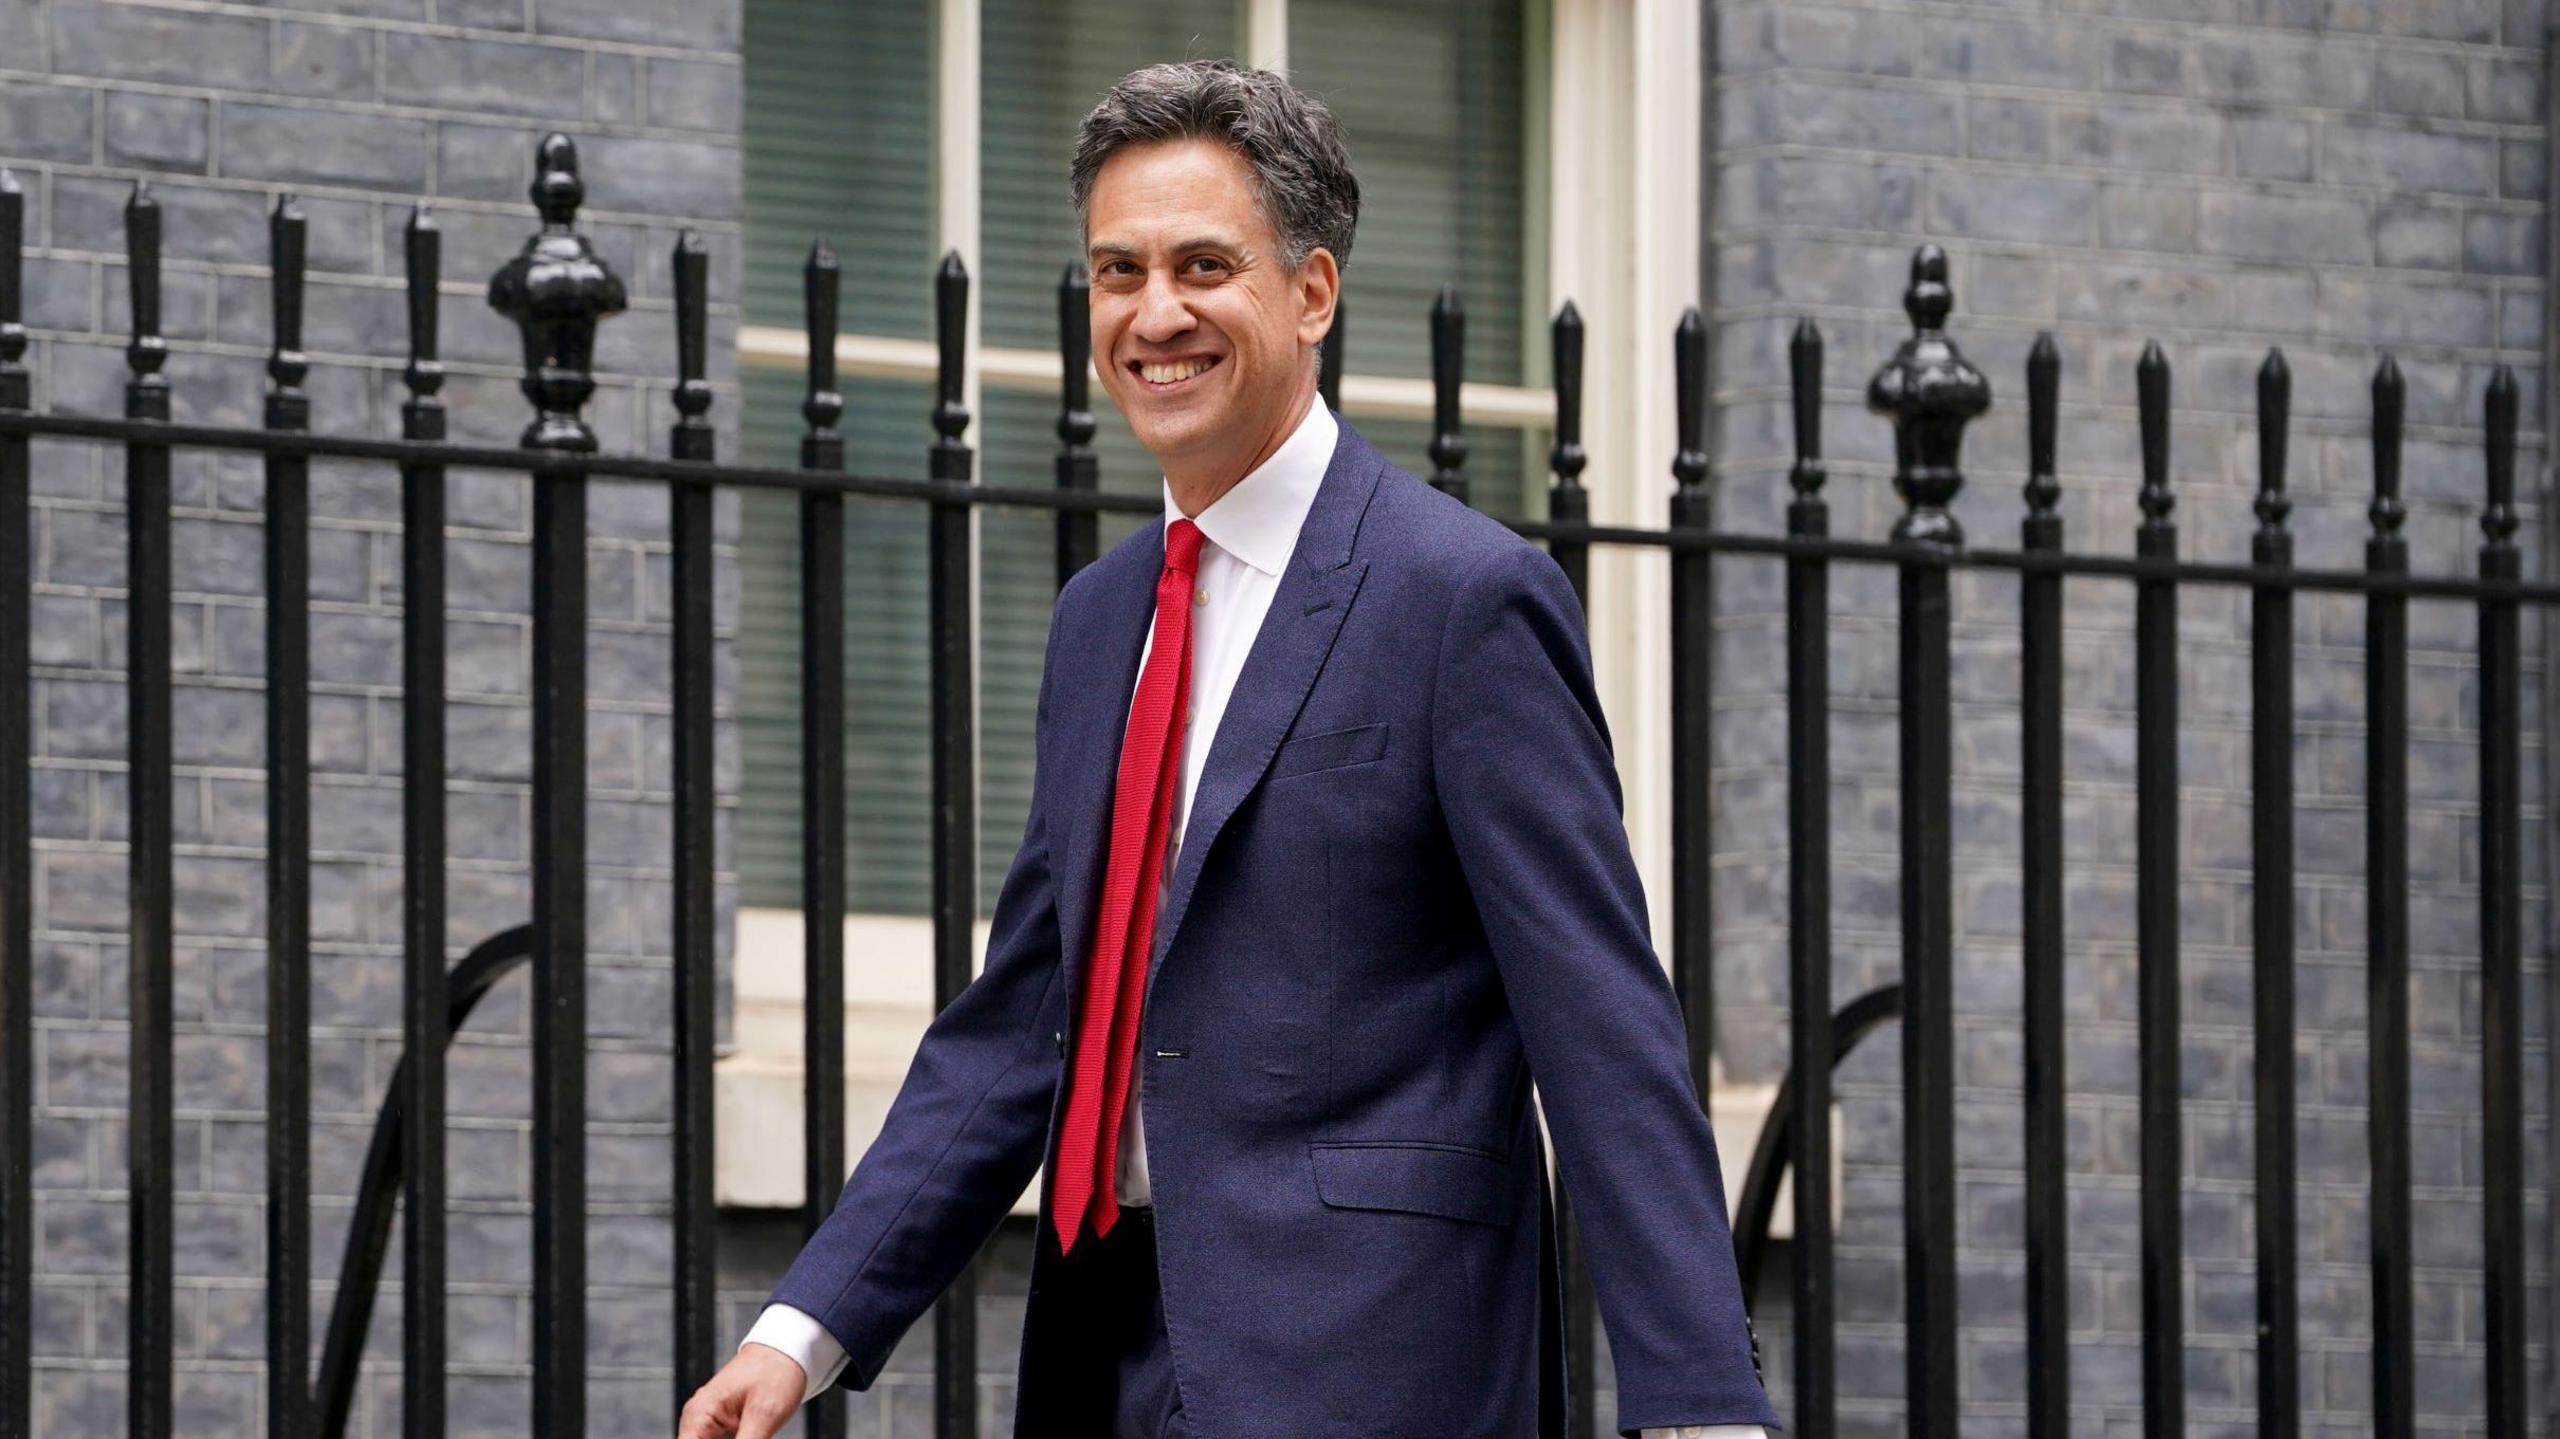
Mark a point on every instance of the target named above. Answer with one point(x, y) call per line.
point(708, 1415)
point(764, 1417)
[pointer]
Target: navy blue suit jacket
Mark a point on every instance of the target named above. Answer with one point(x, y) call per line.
point(1404, 889)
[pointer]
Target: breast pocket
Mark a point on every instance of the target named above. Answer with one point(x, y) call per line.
point(1331, 750)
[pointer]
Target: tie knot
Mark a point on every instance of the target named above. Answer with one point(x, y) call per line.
point(1182, 547)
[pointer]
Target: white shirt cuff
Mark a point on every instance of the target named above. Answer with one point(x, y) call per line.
point(806, 1342)
point(1708, 1431)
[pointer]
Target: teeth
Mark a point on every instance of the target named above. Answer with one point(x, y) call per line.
point(1168, 374)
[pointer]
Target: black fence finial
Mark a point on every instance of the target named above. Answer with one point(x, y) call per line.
point(821, 283)
point(1568, 457)
point(1689, 408)
point(146, 394)
point(1930, 392)
point(2275, 413)
point(2498, 521)
point(950, 459)
point(2151, 396)
point(1448, 372)
point(692, 437)
point(16, 382)
point(1804, 385)
point(557, 290)
point(287, 406)
point(422, 245)
point(2043, 526)
point(2390, 402)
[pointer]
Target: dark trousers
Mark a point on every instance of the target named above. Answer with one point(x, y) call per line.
point(1119, 1373)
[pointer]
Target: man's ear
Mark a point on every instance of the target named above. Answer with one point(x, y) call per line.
point(1319, 290)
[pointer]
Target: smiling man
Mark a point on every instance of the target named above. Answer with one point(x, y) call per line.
point(1325, 863)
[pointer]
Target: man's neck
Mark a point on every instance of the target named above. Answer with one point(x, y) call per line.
point(1195, 490)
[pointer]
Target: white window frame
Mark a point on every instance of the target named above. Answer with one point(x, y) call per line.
point(1617, 164)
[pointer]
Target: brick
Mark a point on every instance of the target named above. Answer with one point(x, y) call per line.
point(684, 95)
point(47, 122)
point(2012, 207)
point(2277, 69)
point(324, 147)
point(2268, 148)
point(324, 61)
point(159, 132)
point(2283, 227)
point(2177, 141)
point(2415, 235)
point(2352, 154)
point(2426, 83)
point(483, 76)
point(179, 47)
point(2146, 64)
point(684, 24)
point(2499, 243)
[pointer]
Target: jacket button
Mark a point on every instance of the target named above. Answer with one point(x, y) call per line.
point(1059, 1037)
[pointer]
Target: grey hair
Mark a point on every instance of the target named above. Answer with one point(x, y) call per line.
point(1302, 176)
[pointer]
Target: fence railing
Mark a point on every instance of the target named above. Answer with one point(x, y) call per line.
point(557, 291)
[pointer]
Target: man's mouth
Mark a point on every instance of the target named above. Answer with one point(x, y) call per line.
point(1168, 376)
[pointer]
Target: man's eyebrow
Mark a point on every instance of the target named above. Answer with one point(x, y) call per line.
point(1110, 251)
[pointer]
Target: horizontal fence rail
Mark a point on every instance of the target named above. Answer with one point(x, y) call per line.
point(558, 290)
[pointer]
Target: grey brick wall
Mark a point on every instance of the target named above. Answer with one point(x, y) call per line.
point(358, 106)
point(2339, 179)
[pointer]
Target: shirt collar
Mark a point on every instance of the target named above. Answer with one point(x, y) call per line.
point(1258, 518)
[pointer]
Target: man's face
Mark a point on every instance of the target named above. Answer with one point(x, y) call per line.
point(1200, 332)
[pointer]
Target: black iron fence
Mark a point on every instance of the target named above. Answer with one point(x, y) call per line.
point(557, 291)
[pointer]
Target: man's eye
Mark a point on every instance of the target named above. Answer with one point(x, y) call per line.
point(1205, 264)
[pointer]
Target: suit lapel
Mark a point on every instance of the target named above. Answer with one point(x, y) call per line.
point(1316, 590)
point(1315, 594)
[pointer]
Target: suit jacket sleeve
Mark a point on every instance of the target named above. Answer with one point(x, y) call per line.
point(965, 1132)
point(1521, 759)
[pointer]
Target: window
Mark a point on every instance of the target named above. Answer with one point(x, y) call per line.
point(1522, 149)
point(853, 131)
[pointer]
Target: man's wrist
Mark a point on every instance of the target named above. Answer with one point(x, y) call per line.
point(800, 1338)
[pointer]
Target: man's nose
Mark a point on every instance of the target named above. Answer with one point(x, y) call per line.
point(1161, 313)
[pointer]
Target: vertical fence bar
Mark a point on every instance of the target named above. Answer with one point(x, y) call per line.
point(1929, 392)
point(2272, 918)
point(1448, 370)
point(1329, 356)
point(423, 992)
point(2387, 921)
point(822, 776)
point(952, 581)
point(1567, 501)
point(17, 856)
point(150, 1156)
point(2503, 1174)
point(696, 908)
point(2048, 1195)
point(557, 290)
point(1079, 471)
point(1809, 894)
point(288, 580)
point(2155, 640)
point(1692, 637)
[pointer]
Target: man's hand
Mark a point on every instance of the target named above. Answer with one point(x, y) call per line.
point(752, 1397)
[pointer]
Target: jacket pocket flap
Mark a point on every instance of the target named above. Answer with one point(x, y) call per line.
point(1420, 1178)
point(1331, 750)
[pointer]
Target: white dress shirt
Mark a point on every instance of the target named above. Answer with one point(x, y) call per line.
point(1249, 533)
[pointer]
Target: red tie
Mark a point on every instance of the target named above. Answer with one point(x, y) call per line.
point(1124, 931)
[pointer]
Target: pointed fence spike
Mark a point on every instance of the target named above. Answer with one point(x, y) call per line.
point(1568, 457)
point(1448, 448)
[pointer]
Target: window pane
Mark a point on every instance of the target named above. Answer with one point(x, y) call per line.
point(1430, 96)
point(839, 143)
point(1045, 63)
